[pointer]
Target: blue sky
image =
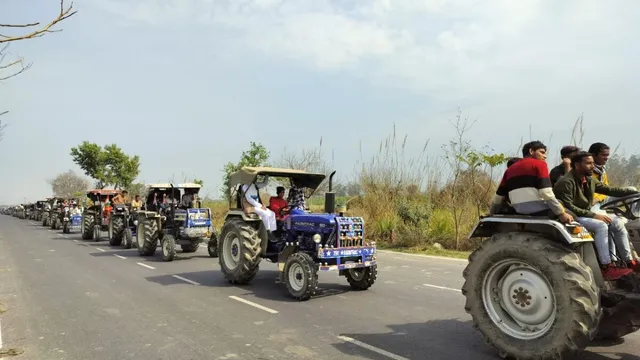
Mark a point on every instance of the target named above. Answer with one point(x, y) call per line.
point(186, 84)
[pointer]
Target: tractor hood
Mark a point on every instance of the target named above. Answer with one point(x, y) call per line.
point(324, 223)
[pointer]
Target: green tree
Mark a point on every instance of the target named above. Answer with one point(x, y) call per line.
point(198, 181)
point(257, 155)
point(108, 166)
point(137, 189)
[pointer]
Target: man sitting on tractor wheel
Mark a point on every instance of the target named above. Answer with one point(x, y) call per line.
point(278, 204)
point(527, 185)
point(576, 190)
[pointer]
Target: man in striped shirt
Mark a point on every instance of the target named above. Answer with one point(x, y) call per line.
point(527, 187)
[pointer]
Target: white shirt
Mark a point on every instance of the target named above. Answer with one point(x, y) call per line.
point(251, 191)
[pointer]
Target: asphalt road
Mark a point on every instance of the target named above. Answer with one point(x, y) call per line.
point(70, 299)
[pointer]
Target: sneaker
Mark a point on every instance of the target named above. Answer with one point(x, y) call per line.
point(633, 265)
point(611, 273)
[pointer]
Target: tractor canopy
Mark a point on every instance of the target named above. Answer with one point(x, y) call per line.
point(173, 190)
point(248, 175)
point(101, 194)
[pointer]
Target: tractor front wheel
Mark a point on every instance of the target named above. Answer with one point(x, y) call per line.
point(128, 238)
point(212, 244)
point(531, 297)
point(87, 225)
point(147, 234)
point(362, 278)
point(168, 244)
point(301, 276)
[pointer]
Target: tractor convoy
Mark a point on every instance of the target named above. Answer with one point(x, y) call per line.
point(533, 287)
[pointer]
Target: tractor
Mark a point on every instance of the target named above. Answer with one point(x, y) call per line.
point(303, 244)
point(122, 226)
point(70, 219)
point(535, 289)
point(51, 211)
point(37, 216)
point(172, 215)
point(95, 218)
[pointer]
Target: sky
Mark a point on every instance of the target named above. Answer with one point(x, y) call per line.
point(187, 84)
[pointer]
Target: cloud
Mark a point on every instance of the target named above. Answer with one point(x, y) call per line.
point(455, 49)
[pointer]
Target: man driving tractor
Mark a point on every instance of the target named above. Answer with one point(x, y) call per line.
point(278, 204)
point(577, 190)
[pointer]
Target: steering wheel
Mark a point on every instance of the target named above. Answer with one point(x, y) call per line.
point(623, 206)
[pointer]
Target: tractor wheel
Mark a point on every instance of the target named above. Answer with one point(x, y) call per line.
point(44, 221)
point(147, 234)
point(97, 232)
point(530, 297)
point(168, 244)
point(240, 257)
point(301, 276)
point(65, 228)
point(87, 225)
point(116, 230)
point(212, 244)
point(362, 278)
point(191, 247)
point(128, 238)
point(54, 223)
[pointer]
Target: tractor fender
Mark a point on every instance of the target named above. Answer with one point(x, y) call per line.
point(489, 225)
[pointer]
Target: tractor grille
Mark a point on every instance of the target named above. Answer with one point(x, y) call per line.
point(350, 232)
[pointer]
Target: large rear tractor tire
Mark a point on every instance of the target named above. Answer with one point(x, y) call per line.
point(87, 225)
point(362, 278)
point(116, 230)
point(530, 297)
point(301, 276)
point(148, 234)
point(240, 247)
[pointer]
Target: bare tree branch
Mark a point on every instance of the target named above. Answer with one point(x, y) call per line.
point(18, 66)
point(64, 14)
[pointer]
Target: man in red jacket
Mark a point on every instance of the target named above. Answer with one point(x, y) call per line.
point(278, 203)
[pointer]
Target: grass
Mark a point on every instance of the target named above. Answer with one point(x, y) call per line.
point(10, 352)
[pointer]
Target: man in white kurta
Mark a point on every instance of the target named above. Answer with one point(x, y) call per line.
point(251, 194)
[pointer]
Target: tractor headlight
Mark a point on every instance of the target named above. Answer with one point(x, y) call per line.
point(135, 222)
point(317, 238)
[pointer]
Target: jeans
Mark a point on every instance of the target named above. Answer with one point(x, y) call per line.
point(600, 229)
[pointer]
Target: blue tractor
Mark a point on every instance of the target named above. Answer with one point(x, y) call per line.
point(303, 243)
point(172, 215)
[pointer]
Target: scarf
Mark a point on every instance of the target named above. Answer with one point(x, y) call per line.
point(600, 170)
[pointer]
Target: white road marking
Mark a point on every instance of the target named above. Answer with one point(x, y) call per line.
point(147, 266)
point(186, 280)
point(51, 250)
point(119, 256)
point(372, 348)
point(442, 287)
point(100, 249)
point(76, 241)
point(85, 244)
point(257, 306)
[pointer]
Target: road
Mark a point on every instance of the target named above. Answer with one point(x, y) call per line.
point(70, 299)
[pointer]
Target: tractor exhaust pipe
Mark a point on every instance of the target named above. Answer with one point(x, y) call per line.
point(330, 197)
